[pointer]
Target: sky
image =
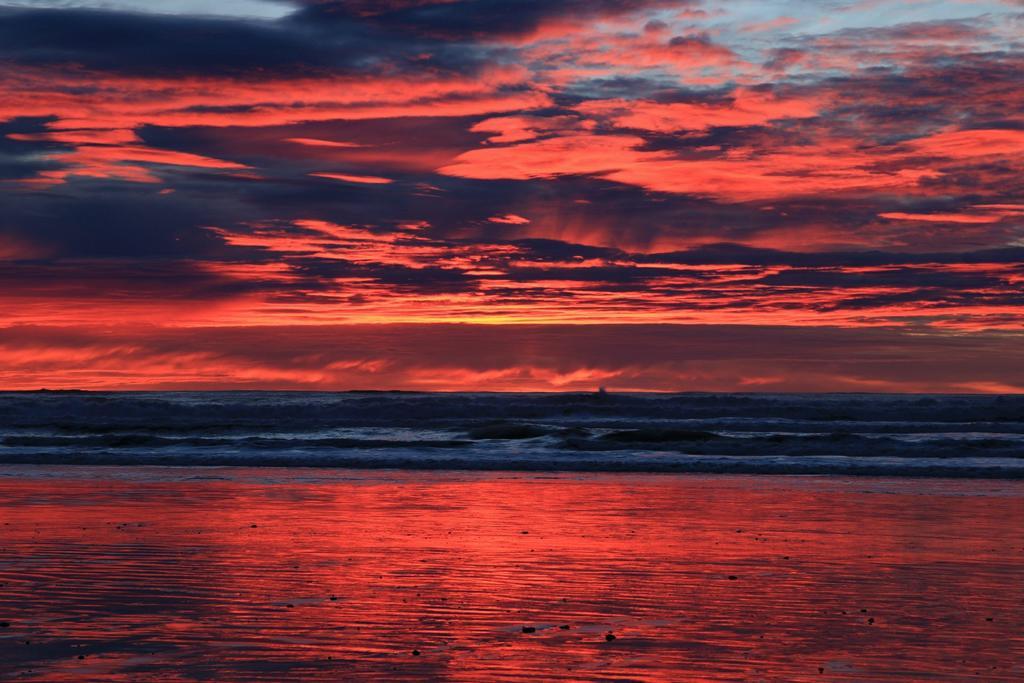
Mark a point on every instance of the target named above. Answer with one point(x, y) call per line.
point(531, 195)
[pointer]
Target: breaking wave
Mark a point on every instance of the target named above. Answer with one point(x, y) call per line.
point(953, 436)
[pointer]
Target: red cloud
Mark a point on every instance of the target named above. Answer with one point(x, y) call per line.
point(737, 175)
point(943, 217)
point(349, 178)
point(967, 144)
point(563, 155)
point(100, 120)
point(509, 219)
point(746, 108)
point(122, 161)
point(313, 142)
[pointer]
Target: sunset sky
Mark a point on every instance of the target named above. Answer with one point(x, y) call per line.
point(512, 194)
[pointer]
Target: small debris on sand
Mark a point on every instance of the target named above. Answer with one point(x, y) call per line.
point(529, 629)
point(415, 653)
point(732, 577)
point(564, 627)
point(609, 637)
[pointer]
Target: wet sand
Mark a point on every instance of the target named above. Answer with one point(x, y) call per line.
point(138, 574)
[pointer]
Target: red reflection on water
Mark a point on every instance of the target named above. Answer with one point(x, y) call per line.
point(162, 575)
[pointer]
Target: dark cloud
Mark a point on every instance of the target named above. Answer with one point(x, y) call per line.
point(399, 278)
point(125, 281)
point(150, 44)
point(725, 253)
point(23, 158)
point(468, 19)
point(100, 219)
point(916, 279)
point(126, 42)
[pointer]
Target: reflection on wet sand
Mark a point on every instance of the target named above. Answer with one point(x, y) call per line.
point(132, 574)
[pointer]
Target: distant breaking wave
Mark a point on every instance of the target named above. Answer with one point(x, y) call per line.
point(868, 434)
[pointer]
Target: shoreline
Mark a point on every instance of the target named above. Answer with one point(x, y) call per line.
point(719, 466)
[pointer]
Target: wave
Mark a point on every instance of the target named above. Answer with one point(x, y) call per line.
point(660, 440)
point(819, 465)
point(751, 433)
point(213, 411)
point(134, 441)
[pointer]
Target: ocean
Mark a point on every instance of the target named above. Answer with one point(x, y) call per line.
point(850, 434)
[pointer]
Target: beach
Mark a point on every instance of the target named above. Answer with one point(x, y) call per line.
point(472, 341)
point(240, 574)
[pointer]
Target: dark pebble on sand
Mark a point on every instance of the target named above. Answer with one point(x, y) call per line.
point(81, 656)
point(252, 526)
point(988, 618)
point(290, 606)
point(415, 653)
point(5, 624)
point(821, 669)
point(334, 597)
point(871, 620)
point(564, 627)
point(732, 577)
point(609, 637)
point(529, 629)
